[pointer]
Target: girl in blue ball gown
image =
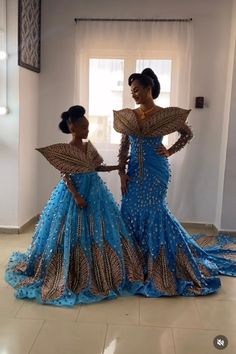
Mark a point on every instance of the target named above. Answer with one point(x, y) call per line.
point(81, 251)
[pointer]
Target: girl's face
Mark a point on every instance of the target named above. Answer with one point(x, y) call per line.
point(80, 128)
point(139, 93)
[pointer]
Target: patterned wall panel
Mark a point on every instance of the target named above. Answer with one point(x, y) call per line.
point(29, 22)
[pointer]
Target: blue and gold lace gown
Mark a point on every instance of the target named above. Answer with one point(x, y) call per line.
point(174, 262)
point(78, 255)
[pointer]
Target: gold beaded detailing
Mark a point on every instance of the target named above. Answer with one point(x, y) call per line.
point(133, 259)
point(80, 219)
point(143, 114)
point(91, 225)
point(159, 271)
point(107, 270)
point(53, 285)
point(140, 158)
point(206, 241)
point(35, 277)
point(184, 268)
point(204, 270)
point(79, 271)
point(61, 233)
point(103, 229)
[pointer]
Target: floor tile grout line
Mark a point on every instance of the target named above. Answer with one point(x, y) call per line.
point(77, 316)
point(105, 338)
point(180, 328)
point(139, 314)
point(173, 338)
point(196, 304)
point(40, 329)
point(19, 309)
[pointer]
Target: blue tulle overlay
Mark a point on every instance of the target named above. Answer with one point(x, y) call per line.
point(175, 263)
point(77, 256)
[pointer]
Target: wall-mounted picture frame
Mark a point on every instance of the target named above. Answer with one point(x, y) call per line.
point(29, 34)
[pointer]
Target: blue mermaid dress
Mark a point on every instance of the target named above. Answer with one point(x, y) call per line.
point(78, 255)
point(174, 262)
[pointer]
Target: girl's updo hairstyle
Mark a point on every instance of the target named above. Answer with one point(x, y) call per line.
point(73, 114)
point(147, 78)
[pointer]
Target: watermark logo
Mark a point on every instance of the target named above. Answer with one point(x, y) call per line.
point(220, 342)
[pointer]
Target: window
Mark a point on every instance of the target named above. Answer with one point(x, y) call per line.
point(106, 78)
point(108, 91)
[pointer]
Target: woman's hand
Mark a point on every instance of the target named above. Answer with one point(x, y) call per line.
point(67, 180)
point(81, 202)
point(163, 151)
point(124, 179)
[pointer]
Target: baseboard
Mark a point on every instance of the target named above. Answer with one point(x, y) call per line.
point(9, 230)
point(199, 225)
point(228, 232)
point(21, 229)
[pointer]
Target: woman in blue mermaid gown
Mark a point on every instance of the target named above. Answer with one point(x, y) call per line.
point(81, 251)
point(174, 262)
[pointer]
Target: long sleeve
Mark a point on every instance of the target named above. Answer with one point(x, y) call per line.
point(123, 153)
point(185, 136)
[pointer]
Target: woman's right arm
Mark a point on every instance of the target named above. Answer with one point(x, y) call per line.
point(123, 157)
point(77, 197)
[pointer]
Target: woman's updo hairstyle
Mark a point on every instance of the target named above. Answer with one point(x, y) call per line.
point(147, 78)
point(73, 114)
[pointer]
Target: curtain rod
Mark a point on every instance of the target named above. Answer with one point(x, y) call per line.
point(136, 19)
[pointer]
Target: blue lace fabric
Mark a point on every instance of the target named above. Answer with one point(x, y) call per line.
point(78, 256)
point(174, 262)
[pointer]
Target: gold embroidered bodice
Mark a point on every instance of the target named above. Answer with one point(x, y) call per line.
point(160, 122)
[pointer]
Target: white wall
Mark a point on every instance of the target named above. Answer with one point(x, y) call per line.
point(229, 200)
point(18, 136)
point(9, 127)
point(196, 197)
point(228, 221)
point(28, 157)
point(194, 190)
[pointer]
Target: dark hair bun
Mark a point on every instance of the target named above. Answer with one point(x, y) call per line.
point(73, 114)
point(63, 126)
point(156, 87)
point(76, 112)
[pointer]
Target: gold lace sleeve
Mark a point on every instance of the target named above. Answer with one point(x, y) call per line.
point(123, 153)
point(186, 135)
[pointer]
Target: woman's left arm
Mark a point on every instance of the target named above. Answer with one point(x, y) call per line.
point(104, 168)
point(186, 135)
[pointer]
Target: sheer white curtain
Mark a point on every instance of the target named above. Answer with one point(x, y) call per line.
point(106, 53)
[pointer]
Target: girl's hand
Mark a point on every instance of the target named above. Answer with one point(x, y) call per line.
point(80, 201)
point(163, 151)
point(124, 179)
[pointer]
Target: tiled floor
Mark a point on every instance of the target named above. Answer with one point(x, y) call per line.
point(133, 325)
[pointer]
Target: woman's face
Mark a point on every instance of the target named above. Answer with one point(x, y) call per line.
point(80, 128)
point(139, 93)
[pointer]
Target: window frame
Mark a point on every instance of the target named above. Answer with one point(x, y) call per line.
point(130, 58)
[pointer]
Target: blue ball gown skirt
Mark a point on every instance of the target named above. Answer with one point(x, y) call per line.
point(77, 256)
point(174, 262)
